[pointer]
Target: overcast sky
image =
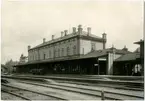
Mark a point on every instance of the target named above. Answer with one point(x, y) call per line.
point(28, 22)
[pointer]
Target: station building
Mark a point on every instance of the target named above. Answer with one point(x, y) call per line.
point(79, 52)
point(131, 63)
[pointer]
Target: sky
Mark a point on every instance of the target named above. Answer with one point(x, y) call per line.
point(26, 22)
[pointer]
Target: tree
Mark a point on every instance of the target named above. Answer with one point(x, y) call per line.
point(9, 64)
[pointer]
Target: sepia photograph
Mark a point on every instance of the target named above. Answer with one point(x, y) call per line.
point(72, 50)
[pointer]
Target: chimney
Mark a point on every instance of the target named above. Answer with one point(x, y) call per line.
point(52, 37)
point(61, 33)
point(21, 55)
point(89, 30)
point(113, 48)
point(29, 47)
point(80, 29)
point(125, 49)
point(74, 30)
point(104, 40)
point(44, 40)
point(65, 32)
point(104, 35)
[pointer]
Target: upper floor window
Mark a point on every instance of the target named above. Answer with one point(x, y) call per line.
point(50, 53)
point(33, 57)
point(83, 51)
point(58, 52)
point(74, 50)
point(55, 53)
point(68, 50)
point(93, 46)
point(62, 52)
point(44, 56)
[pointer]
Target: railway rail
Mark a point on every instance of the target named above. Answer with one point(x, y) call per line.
point(102, 85)
point(92, 92)
point(15, 94)
point(138, 86)
point(50, 96)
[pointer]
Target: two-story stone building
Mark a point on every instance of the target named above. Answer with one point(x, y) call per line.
point(77, 43)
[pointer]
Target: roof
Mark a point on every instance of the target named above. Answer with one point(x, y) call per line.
point(61, 59)
point(139, 42)
point(104, 52)
point(84, 34)
point(93, 54)
point(128, 57)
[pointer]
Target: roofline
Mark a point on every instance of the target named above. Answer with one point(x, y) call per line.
point(78, 36)
point(139, 42)
point(53, 60)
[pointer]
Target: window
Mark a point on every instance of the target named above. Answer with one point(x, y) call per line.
point(44, 56)
point(68, 50)
point(58, 52)
point(55, 52)
point(83, 51)
point(62, 52)
point(33, 57)
point(74, 50)
point(93, 46)
point(50, 53)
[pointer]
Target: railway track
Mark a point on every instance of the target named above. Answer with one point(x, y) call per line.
point(132, 86)
point(15, 93)
point(101, 85)
point(92, 92)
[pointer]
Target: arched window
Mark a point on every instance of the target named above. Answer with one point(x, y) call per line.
point(74, 50)
point(68, 50)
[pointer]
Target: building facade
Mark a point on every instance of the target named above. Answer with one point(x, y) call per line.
point(75, 44)
point(79, 52)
